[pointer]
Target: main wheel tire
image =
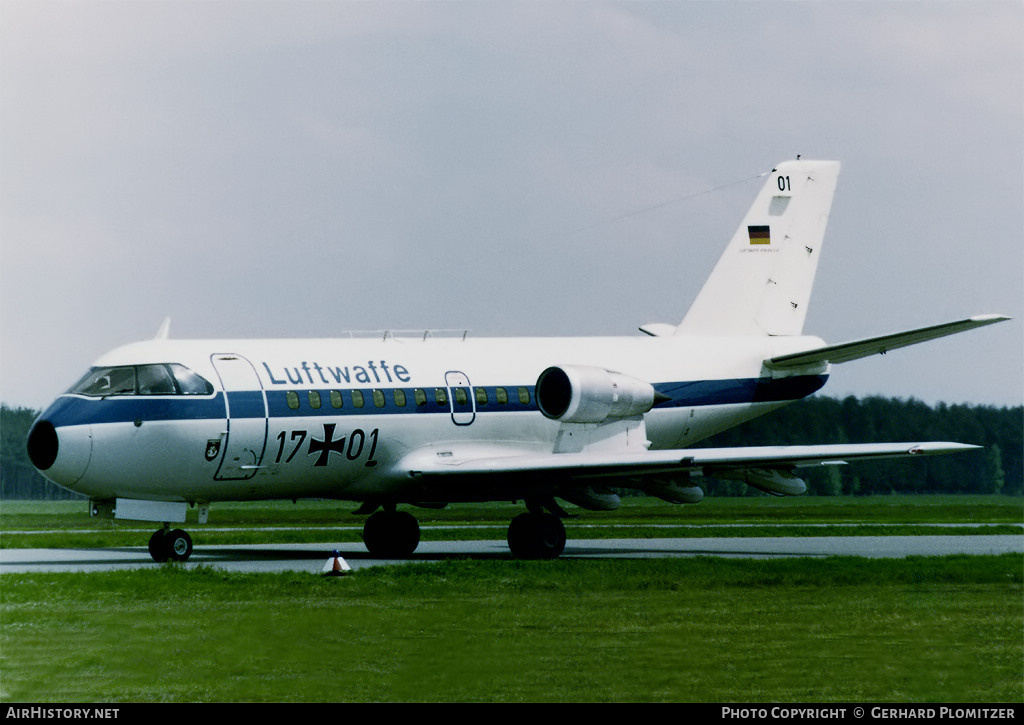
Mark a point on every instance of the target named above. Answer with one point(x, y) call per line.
point(391, 534)
point(536, 536)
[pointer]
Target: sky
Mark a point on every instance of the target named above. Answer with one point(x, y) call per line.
point(309, 168)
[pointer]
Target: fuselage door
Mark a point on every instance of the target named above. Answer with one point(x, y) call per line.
point(246, 418)
point(460, 397)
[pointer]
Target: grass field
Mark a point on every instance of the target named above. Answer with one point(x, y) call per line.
point(947, 629)
point(26, 524)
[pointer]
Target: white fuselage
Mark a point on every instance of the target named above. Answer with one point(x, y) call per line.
point(333, 418)
point(158, 425)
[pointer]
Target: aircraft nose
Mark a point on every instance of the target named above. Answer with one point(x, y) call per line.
point(43, 445)
point(63, 454)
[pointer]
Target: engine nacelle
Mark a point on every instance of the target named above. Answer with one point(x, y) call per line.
point(591, 498)
point(769, 480)
point(582, 394)
point(674, 490)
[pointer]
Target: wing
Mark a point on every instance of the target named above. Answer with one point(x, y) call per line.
point(767, 467)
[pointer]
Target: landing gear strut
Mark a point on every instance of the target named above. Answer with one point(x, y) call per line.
point(391, 534)
point(170, 545)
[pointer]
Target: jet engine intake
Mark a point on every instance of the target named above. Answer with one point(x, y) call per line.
point(584, 394)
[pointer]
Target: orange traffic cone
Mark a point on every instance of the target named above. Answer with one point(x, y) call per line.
point(336, 566)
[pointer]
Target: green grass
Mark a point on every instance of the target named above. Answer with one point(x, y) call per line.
point(717, 630)
point(26, 524)
point(946, 629)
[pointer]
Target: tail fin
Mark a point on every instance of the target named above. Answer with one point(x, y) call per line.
point(762, 283)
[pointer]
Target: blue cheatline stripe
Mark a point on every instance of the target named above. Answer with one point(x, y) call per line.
point(79, 410)
point(246, 404)
point(740, 390)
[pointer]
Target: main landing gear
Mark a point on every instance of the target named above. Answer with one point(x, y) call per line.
point(168, 545)
point(391, 534)
point(537, 534)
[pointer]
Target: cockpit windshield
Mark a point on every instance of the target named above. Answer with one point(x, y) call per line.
point(163, 379)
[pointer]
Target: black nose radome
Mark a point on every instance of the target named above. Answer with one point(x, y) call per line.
point(42, 444)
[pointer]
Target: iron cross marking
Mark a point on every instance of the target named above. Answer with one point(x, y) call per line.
point(327, 445)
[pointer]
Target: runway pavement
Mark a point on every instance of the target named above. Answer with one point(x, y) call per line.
point(312, 557)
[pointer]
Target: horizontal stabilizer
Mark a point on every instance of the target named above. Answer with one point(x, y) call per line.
point(878, 345)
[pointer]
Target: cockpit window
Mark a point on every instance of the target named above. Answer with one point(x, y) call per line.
point(190, 383)
point(107, 381)
point(155, 380)
point(162, 379)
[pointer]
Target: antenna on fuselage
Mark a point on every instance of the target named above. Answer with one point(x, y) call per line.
point(165, 330)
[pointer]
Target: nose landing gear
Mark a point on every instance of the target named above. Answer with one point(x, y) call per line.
point(170, 545)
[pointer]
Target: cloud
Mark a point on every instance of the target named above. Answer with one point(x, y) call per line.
point(267, 169)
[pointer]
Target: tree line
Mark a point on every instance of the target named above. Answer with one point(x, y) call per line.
point(18, 478)
point(998, 467)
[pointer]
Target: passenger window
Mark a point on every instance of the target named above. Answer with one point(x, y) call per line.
point(357, 398)
point(336, 399)
point(378, 398)
point(481, 396)
point(293, 399)
point(461, 397)
point(441, 396)
point(524, 396)
point(501, 395)
point(420, 396)
point(400, 397)
point(314, 400)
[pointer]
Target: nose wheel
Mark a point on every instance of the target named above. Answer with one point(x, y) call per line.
point(168, 545)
